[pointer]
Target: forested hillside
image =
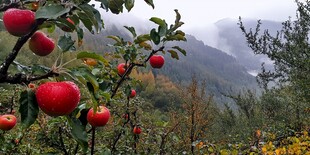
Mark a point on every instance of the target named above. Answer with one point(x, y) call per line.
point(222, 72)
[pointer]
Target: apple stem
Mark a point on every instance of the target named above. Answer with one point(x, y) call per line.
point(93, 141)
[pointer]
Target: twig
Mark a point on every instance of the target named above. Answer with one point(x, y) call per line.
point(76, 148)
point(93, 141)
point(63, 147)
point(117, 138)
point(5, 7)
point(164, 136)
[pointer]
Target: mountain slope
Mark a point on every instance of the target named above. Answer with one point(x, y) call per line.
point(221, 71)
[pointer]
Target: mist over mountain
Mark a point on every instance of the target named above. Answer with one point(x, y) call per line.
point(227, 36)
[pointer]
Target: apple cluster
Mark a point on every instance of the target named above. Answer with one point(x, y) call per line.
point(20, 22)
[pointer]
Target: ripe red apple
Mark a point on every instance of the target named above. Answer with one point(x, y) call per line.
point(137, 130)
point(66, 28)
point(157, 61)
point(7, 122)
point(58, 98)
point(133, 93)
point(41, 44)
point(18, 22)
point(100, 118)
point(121, 69)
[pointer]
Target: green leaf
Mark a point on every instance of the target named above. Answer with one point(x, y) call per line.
point(87, 78)
point(80, 34)
point(176, 37)
point(116, 38)
point(129, 4)
point(150, 2)
point(178, 16)
point(51, 29)
point(128, 90)
point(93, 81)
point(116, 6)
point(131, 30)
point(49, 25)
point(155, 36)
point(174, 54)
point(142, 38)
point(64, 23)
point(180, 49)
point(177, 23)
point(106, 152)
point(86, 21)
point(159, 21)
point(78, 132)
point(93, 15)
point(28, 109)
point(162, 28)
point(51, 11)
point(65, 43)
point(86, 54)
point(104, 4)
point(162, 31)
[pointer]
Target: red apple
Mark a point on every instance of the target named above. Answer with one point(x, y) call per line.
point(100, 118)
point(121, 69)
point(133, 93)
point(58, 98)
point(41, 44)
point(16, 141)
point(18, 22)
point(125, 116)
point(137, 130)
point(157, 61)
point(7, 122)
point(66, 28)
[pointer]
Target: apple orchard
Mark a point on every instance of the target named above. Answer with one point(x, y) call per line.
point(82, 99)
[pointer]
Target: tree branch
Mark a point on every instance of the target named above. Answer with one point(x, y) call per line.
point(93, 141)
point(5, 7)
point(4, 67)
point(129, 69)
point(23, 78)
point(61, 141)
point(122, 130)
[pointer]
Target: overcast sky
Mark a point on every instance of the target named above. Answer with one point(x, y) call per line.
point(199, 13)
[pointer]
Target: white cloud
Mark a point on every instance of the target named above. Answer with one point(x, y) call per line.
point(199, 13)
